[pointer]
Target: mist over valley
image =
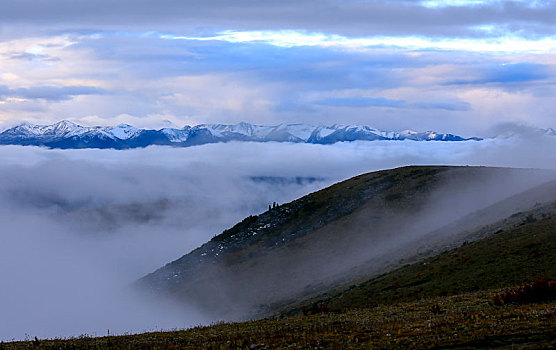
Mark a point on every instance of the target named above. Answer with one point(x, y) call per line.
point(79, 227)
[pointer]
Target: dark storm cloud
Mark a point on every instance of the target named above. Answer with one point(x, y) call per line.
point(50, 93)
point(354, 18)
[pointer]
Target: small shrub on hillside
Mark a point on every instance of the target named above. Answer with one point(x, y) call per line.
point(536, 292)
point(436, 309)
point(318, 308)
point(529, 219)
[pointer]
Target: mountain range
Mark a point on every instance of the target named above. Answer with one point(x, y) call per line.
point(66, 134)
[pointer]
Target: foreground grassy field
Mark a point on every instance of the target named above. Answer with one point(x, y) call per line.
point(465, 321)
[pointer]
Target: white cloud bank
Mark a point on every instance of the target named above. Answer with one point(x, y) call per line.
point(293, 38)
point(78, 226)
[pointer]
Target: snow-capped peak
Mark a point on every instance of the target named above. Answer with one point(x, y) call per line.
point(66, 134)
point(123, 131)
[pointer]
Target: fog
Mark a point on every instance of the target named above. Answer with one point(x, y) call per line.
point(78, 226)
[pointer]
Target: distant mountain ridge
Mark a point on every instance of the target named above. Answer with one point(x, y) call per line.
point(66, 134)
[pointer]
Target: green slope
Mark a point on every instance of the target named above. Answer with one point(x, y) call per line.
point(410, 312)
point(506, 258)
point(355, 228)
point(397, 310)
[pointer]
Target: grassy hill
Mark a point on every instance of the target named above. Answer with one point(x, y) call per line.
point(509, 257)
point(408, 258)
point(358, 228)
point(424, 305)
point(466, 321)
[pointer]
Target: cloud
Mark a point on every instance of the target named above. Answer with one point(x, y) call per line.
point(192, 82)
point(152, 68)
point(467, 3)
point(31, 56)
point(521, 72)
point(361, 102)
point(79, 225)
point(444, 105)
point(523, 131)
point(295, 38)
point(50, 93)
point(352, 18)
point(366, 102)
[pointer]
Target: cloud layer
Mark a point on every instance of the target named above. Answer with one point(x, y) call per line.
point(353, 18)
point(450, 66)
point(78, 226)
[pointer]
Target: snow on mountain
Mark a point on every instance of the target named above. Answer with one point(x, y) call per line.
point(176, 135)
point(66, 134)
point(299, 131)
point(240, 130)
point(123, 131)
point(63, 128)
point(260, 131)
point(322, 131)
point(550, 132)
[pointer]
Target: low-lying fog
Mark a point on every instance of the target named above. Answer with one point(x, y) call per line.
point(78, 226)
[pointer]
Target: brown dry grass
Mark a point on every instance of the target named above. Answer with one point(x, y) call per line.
point(461, 322)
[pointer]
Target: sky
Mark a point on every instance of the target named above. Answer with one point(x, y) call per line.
point(446, 65)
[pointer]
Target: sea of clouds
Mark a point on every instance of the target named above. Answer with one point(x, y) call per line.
point(77, 227)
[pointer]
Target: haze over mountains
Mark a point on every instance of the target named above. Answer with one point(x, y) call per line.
point(66, 134)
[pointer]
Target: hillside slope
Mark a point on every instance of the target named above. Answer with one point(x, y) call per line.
point(509, 257)
point(463, 321)
point(359, 227)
